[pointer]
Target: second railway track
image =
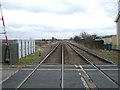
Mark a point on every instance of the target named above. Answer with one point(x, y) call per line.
point(92, 56)
point(95, 66)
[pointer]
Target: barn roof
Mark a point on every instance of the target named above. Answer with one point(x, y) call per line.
point(117, 18)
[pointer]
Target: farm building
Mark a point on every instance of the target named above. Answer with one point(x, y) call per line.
point(118, 26)
point(110, 41)
point(17, 49)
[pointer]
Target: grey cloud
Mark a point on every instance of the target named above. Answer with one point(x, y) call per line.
point(46, 28)
point(38, 29)
point(110, 7)
point(45, 31)
point(70, 7)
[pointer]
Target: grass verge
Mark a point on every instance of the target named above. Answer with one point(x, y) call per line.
point(28, 59)
point(114, 55)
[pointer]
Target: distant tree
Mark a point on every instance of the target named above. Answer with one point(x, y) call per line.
point(86, 39)
point(43, 39)
point(87, 36)
point(71, 38)
point(77, 39)
point(53, 38)
point(84, 35)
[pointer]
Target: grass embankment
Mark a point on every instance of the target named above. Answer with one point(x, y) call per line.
point(28, 59)
point(114, 55)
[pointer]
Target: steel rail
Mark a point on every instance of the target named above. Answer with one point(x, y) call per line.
point(96, 67)
point(103, 59)
point(62, 86)
point(18, 87)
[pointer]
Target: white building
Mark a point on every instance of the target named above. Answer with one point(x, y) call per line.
point(118, 26)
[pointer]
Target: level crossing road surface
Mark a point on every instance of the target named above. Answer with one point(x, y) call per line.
point(100, 80)
point(49, 76)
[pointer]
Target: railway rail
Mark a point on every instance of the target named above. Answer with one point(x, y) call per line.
point(20, 85)
point(93, 54)
point(95, 66)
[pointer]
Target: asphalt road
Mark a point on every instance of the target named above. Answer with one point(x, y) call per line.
point(99, 79)
point(49, 76)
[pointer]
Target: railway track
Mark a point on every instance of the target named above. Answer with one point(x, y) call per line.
point(33, 71)
point(59, 52)
point(37, 67)
point(94, 56)
point(95, 66)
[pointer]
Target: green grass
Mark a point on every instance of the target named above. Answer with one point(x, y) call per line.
point(28, 59)
point(115, 56)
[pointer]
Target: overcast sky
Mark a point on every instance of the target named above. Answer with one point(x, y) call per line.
point(59, 18)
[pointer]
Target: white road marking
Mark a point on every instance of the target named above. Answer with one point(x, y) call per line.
point(103, 65)
point(62, 66)
point(84, 82)
point(80, 74)
point(83, 70)
point(77, 67)
point(73, 69)
point(53, 69)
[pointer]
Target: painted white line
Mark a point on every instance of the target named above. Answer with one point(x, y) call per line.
point(106, 69)
point(87, 82)
point(72, 69)
point(106, 65)
point(40, 69)
point(84, 82)
point(102, 69)
point(52, 69)
point(49, 65)
point(102, 65)
point(77, 67)
point(83, 70)
point(80, 74)
point(62, 66)
point(59, 65)
point(8, 77)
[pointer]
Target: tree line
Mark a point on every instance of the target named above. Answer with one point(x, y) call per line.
point(85, 38)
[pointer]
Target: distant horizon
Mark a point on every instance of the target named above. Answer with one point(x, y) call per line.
point(48, 38)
